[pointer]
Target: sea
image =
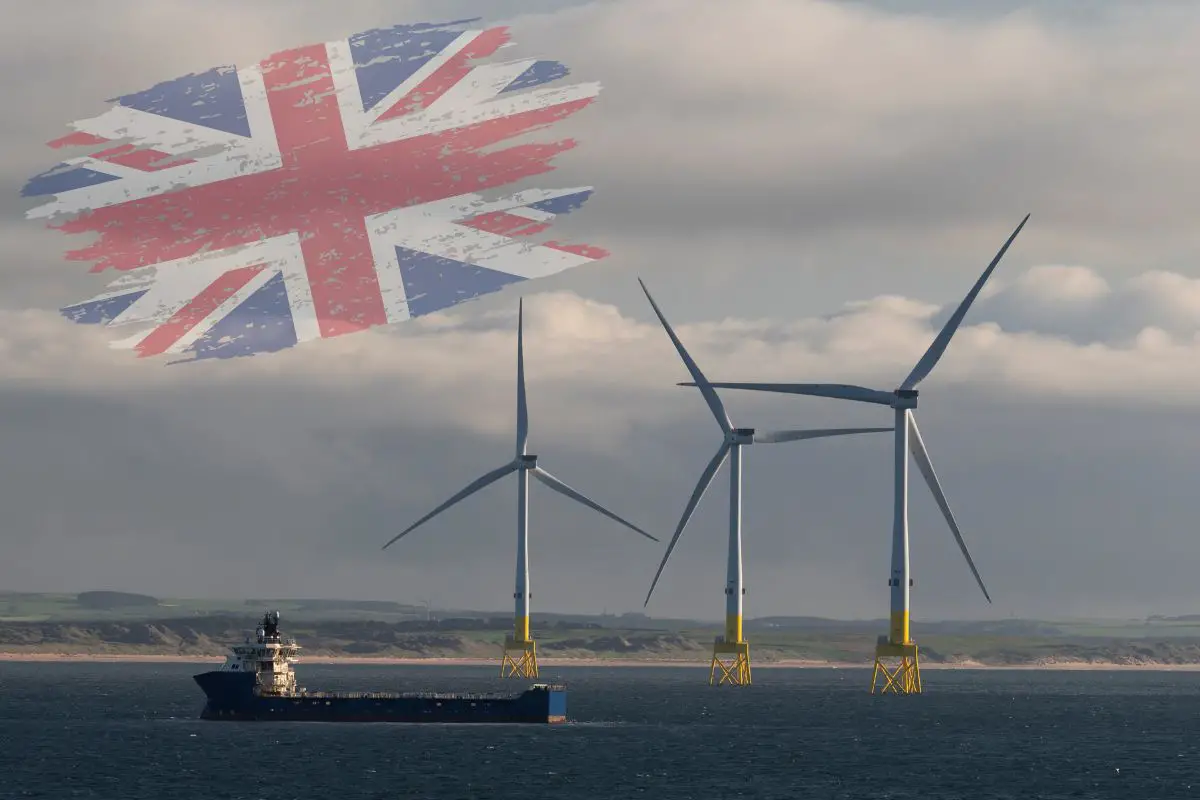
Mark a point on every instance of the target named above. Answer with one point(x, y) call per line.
point(128, 731)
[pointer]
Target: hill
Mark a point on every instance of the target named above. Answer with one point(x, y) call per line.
point(97, 623)
point(108, 600)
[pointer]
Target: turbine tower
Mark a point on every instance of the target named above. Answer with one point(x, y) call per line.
point(520, 650)
point(896, 665)
point(731, 652)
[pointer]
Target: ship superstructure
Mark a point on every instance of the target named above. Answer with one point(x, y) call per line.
point(268, 657)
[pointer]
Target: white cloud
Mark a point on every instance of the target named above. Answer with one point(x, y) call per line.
point(1052, 331)
point(1079, 305)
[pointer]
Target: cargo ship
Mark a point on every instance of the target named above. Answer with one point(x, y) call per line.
point(257, 682)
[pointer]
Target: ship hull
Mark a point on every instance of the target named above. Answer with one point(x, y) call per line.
point(231, 697)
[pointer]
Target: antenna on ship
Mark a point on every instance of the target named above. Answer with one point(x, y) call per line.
point(520, 650)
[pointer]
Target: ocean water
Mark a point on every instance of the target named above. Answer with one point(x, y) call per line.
point(129, 731)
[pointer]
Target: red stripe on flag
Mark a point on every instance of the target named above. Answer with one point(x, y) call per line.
point(333, 238)
point(77, 139)
point(585, 250)
point(145, 160)
point(448, 74)
point(341, 273)
point(505, 224)
point(304, 107)
point(196, 310)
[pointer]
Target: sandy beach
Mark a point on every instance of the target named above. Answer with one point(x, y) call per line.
point(593, 662)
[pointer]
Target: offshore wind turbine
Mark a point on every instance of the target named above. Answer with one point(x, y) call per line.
point(896, 662)
point(731, 652)
point(520, 650)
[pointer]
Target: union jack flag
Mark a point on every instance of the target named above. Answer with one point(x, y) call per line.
point(325, 190)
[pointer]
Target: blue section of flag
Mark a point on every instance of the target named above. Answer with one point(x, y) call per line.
point(261, 324)
point(97, 312)
point(541, 72)
point(384, 58)
point(432, 283)
point(563, 205)
point(212, 99)
point(64, 178)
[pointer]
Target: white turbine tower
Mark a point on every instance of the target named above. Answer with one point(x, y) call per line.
point(731, 652)
point(524, 664)
point(896, 661)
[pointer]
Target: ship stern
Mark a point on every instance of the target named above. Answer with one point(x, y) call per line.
point(558, 704)
point(549, 700)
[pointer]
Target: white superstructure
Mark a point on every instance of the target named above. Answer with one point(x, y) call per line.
point(269, 657)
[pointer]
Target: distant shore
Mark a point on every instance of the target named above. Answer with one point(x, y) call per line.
point(150, 658)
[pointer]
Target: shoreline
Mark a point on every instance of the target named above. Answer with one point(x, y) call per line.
point(703, 663)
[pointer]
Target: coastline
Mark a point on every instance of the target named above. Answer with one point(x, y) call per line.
point(151, 658)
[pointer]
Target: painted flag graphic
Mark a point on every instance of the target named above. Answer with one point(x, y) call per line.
point(325, 190)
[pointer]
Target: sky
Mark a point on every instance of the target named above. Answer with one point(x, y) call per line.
point(807, 188)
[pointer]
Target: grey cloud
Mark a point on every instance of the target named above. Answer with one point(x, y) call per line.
point(855, 157)
point(190, 522)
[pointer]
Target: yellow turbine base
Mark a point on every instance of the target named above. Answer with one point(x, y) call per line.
point(733, 661)
point(520, 659)
point(897, 669)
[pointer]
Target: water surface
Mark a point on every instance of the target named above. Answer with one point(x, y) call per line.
point(129, 731)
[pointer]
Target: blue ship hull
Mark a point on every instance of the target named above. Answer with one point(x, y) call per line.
point(231, 696)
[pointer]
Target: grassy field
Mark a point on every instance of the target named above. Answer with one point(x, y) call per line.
point(113, 623)
point(94, 606)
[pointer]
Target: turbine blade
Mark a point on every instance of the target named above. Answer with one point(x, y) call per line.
point(522, 409)
point(942, 341)
point(701, 487)
point(466, 492)
point(776, 437)
point(560, 487)
point(837, 391)
point(917, 446)
point(710, 396)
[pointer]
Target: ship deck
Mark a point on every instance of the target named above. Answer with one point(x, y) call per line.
point(415, 695)
point(406, 695)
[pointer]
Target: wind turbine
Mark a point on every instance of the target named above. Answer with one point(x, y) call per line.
point(520, 650)
point(896, 663)
point(731, 652)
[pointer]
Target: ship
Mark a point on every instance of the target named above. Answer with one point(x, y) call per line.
point(257, 682)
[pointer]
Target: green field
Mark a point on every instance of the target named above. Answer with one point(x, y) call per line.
point(93, 623)
point(91, 606)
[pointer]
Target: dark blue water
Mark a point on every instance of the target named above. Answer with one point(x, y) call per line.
point(128, 731)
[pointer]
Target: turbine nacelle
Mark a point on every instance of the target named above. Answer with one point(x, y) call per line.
point(525, 463)
point(905, 399)
point(739, 436)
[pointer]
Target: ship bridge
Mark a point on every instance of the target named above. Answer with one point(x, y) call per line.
point(269, 657)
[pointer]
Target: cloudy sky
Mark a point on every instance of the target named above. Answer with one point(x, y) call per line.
point(805, 186)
